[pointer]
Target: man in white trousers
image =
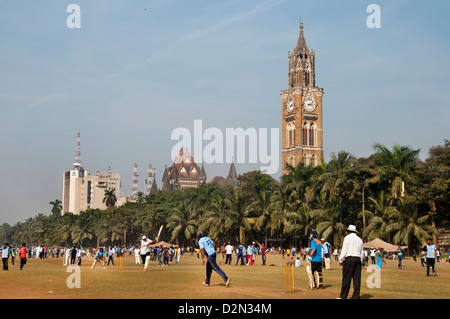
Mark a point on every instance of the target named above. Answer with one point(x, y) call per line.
point(66, 256)
point(137, 258)
point(145, 250)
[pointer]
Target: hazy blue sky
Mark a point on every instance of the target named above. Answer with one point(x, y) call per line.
point(138, 69)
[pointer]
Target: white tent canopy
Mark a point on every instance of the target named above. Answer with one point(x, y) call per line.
point(164, 245)
point(378, 243)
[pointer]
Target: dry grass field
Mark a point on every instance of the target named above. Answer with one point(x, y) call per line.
point(47, 279)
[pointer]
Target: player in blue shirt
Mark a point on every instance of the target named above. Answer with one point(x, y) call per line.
point(315, 251)
point(431, 257)
point(100, 257)
point(6, 251)
point(208, 249)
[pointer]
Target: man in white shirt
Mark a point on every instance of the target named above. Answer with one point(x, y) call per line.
point(137, 252)
point(351, 259)
point(326, 253)
point(66, 256)
point(145, 250)
point(372, 255)
point(335, 253)
point(229, 251)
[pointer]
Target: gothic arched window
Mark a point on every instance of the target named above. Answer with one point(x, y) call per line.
point(306, 159)
point(305, 134)
point(290, 132)
point(312, 134)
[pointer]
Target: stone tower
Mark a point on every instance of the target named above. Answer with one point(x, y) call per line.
point(302, 109)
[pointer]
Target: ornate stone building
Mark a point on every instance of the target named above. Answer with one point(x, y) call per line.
point(302, 109)
point(184, 173)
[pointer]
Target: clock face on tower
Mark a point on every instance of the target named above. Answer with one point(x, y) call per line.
point(309, 105)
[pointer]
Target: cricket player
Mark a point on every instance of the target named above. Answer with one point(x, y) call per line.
point(145, 250)
point(315, 252)
point(208, 249)
point(100, 257)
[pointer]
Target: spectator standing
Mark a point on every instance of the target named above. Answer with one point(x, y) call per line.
point(23, 256)
point(351, 259)
point(431, 257)
point(5, 255)
point(229, 253)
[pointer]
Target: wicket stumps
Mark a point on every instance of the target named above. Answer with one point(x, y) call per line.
point(120, 262)
point(289, 277)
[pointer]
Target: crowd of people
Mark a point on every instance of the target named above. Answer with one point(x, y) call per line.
point(73, 255)
point(352, 256)
point(238, 254)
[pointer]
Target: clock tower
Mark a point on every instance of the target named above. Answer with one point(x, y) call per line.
point(301, 109)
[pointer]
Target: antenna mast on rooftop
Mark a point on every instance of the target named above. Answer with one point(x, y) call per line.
point(135, 189)
point(77, 162)
point(149, 181)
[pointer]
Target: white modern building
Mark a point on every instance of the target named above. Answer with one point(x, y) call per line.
point(83, 190)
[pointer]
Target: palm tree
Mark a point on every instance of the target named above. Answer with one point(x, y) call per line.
point(215, 218)
point(110, 198)
point(64, 228)
point(300, 177)
point(327, 221)
point(397, 165)
point(335, 179)
point(56, 208)
point(183, 223)
point(362, 175)
point(340, 162)
point(140, 197)
point(383, 216)
point(5, 231)
point(20, 235)
point(82, 230)
point(41, 229)
point(410, 228)
point(300, 222)
point(109, 229)
point(263, 207)
point(282, 210)
point(239, 216)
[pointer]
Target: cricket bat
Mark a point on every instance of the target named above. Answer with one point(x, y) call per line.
point(159, 232)
point(310, 275)
point(328, 263)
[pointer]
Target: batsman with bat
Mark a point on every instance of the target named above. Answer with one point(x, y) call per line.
point(146, 249)
point(315, 253)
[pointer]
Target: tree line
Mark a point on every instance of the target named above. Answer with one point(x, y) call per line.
point(390, 195)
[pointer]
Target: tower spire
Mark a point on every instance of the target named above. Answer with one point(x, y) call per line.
point(301, 43)
point(77, 162)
